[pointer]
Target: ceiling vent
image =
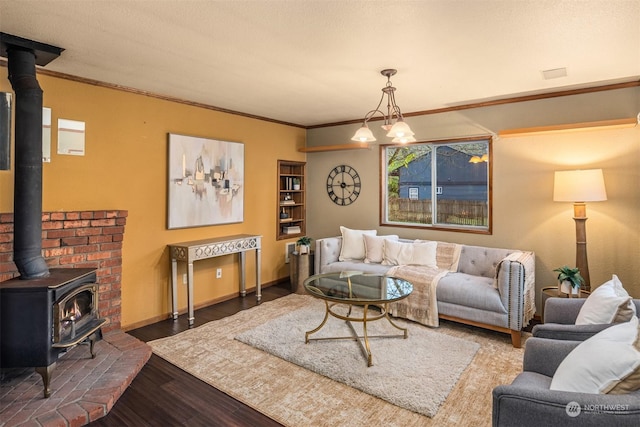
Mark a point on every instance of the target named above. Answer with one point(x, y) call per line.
point(555, 73)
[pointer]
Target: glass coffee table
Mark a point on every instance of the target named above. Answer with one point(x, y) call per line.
point(372, 292)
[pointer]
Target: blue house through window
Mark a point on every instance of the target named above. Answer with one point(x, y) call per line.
point(438, 184)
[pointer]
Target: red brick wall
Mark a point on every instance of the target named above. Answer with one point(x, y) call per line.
point(83, 239)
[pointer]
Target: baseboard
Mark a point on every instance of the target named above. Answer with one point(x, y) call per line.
point(161, 317)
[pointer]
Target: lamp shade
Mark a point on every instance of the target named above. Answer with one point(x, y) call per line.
point(404, 139)
point(363, 134)
point(400, 129)
point(579, 186)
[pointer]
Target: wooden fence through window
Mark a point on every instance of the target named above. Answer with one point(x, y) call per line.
point(455, 212)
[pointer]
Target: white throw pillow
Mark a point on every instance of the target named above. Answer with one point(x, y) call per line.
point(609, 303)
point(374, 247)
point(400, 253)
point(353, 243)
point(608, 362)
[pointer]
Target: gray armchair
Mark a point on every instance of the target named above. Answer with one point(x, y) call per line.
point(559, 320)
point(527, 401)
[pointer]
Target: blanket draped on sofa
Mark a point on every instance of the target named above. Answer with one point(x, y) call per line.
point(422, 306)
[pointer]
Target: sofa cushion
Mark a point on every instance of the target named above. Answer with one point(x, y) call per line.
point(374, 247)
point(608, 362)
point(353, 243)
point(481, 261)
point(609, 303)
point(401, 253)
point(471, 291)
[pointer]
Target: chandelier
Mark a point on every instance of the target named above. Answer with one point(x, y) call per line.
point(399, 131)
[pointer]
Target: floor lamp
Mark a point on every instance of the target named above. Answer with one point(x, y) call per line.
point(579, 187)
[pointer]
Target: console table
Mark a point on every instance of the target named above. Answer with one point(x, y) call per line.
point(197, 250)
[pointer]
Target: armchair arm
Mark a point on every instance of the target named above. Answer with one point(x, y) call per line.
point(558, 331)
point(544, 355)
point(530, 406)
point(327, 252)
point(560, 315)
point(562, 310)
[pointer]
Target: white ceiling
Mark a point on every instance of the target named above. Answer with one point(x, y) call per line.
point(310, 62)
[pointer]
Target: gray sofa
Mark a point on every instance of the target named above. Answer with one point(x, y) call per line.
point(528, 400)
point(487, 290)
point(560, 316)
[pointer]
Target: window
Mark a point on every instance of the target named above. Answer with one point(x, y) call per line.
point(439, 184)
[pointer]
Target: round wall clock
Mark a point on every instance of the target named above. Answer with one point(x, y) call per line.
point(343, 185)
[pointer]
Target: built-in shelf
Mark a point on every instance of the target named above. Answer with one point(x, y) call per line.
point(604, 124)
point(340, 147)
point(291, 199)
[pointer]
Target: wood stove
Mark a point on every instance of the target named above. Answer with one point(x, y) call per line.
point(42, 318)
point(42, 312)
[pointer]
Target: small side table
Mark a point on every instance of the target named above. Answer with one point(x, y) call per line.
point(301, 267)
point(553, 292)
point(196, 250)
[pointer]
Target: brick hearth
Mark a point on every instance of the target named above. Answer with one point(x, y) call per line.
point(82, 389)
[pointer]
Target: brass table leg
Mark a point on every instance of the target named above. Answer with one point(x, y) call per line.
point(386, 314)
point(313, 331)
point(366, 348)
point(363, 340)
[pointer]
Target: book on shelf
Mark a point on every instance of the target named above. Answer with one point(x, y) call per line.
point(286, 220)
point(294, 229)
point(288, 183)
point(288, 202)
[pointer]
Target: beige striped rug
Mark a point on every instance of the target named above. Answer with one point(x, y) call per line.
point(295, 396)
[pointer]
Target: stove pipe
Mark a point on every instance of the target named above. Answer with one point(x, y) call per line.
point(27, 234)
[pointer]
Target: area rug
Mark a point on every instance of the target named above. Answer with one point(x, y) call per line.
point(416, 373)
point(296, 396)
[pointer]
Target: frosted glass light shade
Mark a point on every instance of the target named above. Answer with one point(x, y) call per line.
point(363, 134)
point(579, 186)
point(400, 129)
point(404, 139)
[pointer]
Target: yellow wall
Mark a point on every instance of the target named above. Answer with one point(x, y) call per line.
point(125, 167)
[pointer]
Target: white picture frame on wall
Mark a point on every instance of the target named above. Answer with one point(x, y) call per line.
point(46, 135)
point(205, 182)
point(71, 137)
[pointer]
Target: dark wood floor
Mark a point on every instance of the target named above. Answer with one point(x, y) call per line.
point(164, 395)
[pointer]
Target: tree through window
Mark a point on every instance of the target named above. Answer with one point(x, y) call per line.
point(442, 184)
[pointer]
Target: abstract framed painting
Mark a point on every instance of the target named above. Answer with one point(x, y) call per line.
point(205, 182)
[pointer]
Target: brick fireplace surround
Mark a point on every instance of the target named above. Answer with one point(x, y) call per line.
point(82, 389)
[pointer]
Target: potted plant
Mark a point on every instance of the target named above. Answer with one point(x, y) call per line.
point(569, 280)
point(296, 183)
point(303, 244)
